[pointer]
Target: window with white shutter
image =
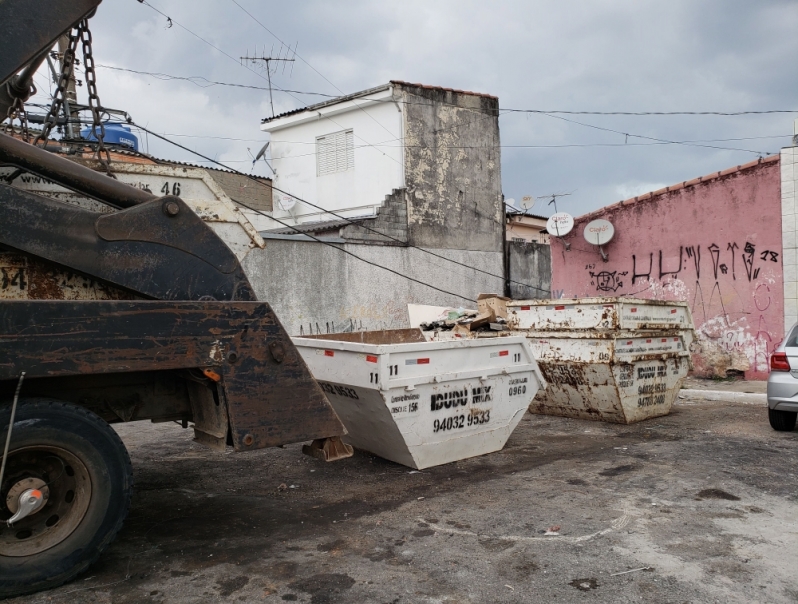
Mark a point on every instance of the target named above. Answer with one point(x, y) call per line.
point(335, 153)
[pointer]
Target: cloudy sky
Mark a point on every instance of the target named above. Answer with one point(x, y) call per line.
point(597, 55)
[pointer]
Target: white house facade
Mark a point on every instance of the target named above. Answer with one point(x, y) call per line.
point(344, 155)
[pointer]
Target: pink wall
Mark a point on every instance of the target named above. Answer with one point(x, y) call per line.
point(714, 242)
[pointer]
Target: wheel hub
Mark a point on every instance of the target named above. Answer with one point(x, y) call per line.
point(49, 490)
point(16, 494)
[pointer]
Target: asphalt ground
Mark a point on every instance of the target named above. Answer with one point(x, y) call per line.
point(698, 506)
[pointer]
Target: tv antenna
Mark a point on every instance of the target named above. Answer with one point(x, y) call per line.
point(554, 197)
point(272, 63)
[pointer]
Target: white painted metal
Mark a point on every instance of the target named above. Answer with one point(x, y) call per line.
point(598, 313)
point(425, 404)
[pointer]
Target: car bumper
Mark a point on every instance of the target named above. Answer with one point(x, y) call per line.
point(782, 391)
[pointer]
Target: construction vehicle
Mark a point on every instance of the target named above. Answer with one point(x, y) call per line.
point(137, 313)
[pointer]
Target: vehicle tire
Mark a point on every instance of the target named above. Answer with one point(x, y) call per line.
point(783, 421)
point(85, 469)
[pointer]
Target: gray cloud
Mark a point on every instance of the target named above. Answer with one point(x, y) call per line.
point(726, 55)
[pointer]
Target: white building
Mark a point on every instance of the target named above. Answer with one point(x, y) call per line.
point(344, 155)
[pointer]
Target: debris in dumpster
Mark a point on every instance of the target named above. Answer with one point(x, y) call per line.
point(491, 315)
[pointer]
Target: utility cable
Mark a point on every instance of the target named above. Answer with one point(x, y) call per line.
point(354, 101)
point(145, 3)
point(651, 138)
point(197, 81)
point(292, 227)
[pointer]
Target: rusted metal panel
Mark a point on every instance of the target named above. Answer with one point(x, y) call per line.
point(160, 249)
point(26, 278)
point(269, 402)
point(621, 377)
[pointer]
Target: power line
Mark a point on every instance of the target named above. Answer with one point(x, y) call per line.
point(309, 65)
point(144, 2)
point(651, 138)
point(197, 81)
point(641, 113)
point(292, 227)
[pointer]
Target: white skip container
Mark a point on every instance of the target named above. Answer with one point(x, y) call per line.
point(424, 404)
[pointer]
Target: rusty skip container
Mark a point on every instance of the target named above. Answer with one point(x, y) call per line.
point(620, 377)
point(420, 403)
point(598, 313)
point(612, 359)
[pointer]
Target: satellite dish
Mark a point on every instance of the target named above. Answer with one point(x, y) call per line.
point(560, 224)
point(262, 151)
point(286, 202)
point(527, 201)
point(599, 232)
point(510, 202)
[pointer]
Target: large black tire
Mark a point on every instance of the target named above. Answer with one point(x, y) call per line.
point(783, 421)
point(49, 438)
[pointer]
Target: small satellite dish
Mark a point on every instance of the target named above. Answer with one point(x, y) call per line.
point(560, 224)
point(285, 202)
point(510, 202)
point(262, 152)
point(527, 201)
point(599, 232)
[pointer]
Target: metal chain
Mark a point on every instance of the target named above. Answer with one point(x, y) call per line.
point(67, 69)
point(97, 128)
point(17, 111)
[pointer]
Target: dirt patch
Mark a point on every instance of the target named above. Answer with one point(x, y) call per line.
point(230, 586)
point(324, 588)
point(618, 470)
point(717, 494)
point(584, 584)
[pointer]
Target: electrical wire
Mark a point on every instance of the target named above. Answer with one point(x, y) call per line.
point(298, 231)
point(197, 81)
point(145, 3)
point(309, 65)
point(651, 138)
point(292, 227)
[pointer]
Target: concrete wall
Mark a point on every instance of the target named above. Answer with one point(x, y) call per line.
point(318, 287)
point(452, 169)
point(528, 270)
point(789, 228)
point(715, 242)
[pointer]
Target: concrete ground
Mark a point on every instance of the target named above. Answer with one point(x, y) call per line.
point(698, 506)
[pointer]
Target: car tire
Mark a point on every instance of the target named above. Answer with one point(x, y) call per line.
point(85, 469)
point(783, 421)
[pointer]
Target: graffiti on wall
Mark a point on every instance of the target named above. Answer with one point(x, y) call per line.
point(728, 285)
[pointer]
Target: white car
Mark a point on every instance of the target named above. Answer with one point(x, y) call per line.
point(783, 383)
